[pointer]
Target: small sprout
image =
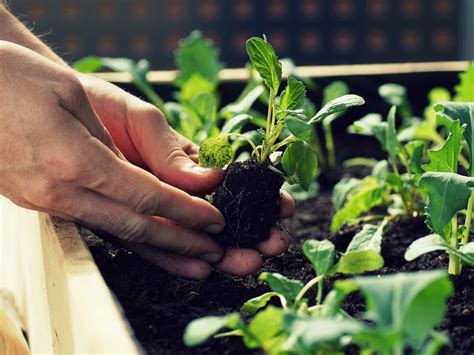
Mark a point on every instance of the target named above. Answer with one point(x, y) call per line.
point(216, 152)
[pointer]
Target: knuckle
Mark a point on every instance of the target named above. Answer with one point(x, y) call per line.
point(133, 230)
point(149, 204)
point(44, 194)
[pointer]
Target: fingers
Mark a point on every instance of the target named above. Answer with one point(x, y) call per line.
point(144, 193)
point(240, 262)
point(178, 265)
point(276, 244)
point(99, 212)
point(287, 206)
point(168, 160)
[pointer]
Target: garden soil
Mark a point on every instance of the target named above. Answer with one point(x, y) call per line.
point(159, 305)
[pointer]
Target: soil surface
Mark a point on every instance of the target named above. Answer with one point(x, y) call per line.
point(159, 306)
point(249, 199)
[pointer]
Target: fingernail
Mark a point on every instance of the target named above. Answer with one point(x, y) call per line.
point(211, 257)
point(214, 228)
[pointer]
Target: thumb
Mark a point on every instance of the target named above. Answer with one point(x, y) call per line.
point(164, 155)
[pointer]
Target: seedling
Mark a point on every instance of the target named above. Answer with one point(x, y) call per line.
point(402, 309)
point(388, 184)
point(249, 195)
point(449, 192)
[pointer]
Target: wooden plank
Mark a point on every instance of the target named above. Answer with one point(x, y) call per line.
point(241, 74)
point(63, 301)
point(86, 317)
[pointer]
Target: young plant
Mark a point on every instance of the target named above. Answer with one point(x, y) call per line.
point(249, 195)
point(388, 184)
point(449, 192)
point(402, 310)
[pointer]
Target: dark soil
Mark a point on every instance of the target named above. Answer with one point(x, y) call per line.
point(159, 305)
point(249, 199)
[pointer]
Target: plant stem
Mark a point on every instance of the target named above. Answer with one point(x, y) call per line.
point(467, 224)
point(284, 142)
point(402, 195)
point(330, 145)
point(319, 297)
point(306, 288)
point(454, 267)
point(249, 141)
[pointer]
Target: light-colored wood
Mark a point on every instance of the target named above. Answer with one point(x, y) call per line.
point(63, 300)
point(241, 74)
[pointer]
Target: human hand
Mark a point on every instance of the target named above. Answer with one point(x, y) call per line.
point(57, 157)
point(141, 132)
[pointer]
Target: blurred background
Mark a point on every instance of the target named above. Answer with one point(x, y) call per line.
point(311, 32)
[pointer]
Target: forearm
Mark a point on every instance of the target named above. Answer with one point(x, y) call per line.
point(12, 30)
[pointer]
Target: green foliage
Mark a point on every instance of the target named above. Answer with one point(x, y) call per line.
point(363, 198)
point(265, 61)
point(200, 330)
point(288, 288)
point(409, 304)
point(403, 310)
point(448, 193)
point(465, 89)
point(447, 112)
point(435, 242)
point(196, 56)
point(445, 159)
point(320, 254)
point(363, 252)
point(337, 105)
point(216, 152)
point(292, 98)
point(299, 161)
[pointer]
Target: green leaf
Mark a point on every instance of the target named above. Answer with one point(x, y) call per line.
point(320, 254)
point(197, 55)
point(308, 333)
point(205, 105)
point(465, 89)
point(90, 64)
point(298, 193)
point(195, 85)
point(293, 97)
point(371, 125)
point(358, 262)
point(235, 123)
point(464, 112)
point(264, 329)
point(434, 242)
point(265, 61)
point(256, 303)
point(435, 343)
point(368, 195)
point(299, 160)
point(363, 252)
point(342, 189)
point(331, 92)
point(287, 287)
point(394, 148)
point(447, 193)
point(415, 151)
point(445, 159)
point(200, 330)
point(299, 128)
point(393, 94)
point(340, 104)
point(243, 103)
point(409, 303)
point(215, 152)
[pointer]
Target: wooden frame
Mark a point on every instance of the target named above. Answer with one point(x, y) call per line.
point(64, 303)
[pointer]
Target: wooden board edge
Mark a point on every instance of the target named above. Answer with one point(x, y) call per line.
point(85, 316)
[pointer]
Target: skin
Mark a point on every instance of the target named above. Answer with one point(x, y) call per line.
point(83, 149)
